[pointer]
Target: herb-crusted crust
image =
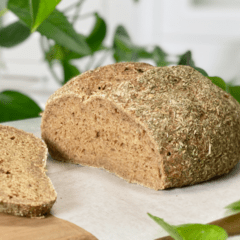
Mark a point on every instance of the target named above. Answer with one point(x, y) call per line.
point(191, 125)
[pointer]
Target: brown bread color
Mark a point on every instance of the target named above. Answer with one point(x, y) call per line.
point(25, 190)
point(160, 127)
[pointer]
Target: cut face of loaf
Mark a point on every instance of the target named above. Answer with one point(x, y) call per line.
point(159, 127)
point(25, 190)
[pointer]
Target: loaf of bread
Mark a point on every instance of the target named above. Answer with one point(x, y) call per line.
point(160, 127)
point(25, 190)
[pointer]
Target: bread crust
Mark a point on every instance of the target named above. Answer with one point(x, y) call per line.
point(19, 206)
point(186, 116)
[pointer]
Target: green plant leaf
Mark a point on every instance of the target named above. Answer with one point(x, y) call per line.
point(21, 9)
point(143, 53)
point(186, 59)
point(122, 34)
point(71, 54)
point(159, 57)
point(192, 231)
point(3, 12)
point(234, 206)
point(235, 92)
point(97, 35)
point(167, 227)
point(125, 50)
point(122, 46)
point(219, 82)
point(70, 71)
point(17, 106)
point(40, 10)
point(56, 52)
point(203, 72)
point(55, 27)
point(202, 232)
point(13, 34)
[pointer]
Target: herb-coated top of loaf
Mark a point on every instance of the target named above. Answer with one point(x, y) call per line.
point(194, 123)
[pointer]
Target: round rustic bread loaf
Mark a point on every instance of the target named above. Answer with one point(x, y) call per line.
point(160, 127)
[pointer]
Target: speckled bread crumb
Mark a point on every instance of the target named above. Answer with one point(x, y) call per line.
point(25, 189)
point(160, 127)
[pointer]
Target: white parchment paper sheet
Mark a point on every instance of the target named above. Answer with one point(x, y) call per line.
point(112, 209)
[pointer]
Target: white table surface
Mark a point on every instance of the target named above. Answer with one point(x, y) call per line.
point(112, 209)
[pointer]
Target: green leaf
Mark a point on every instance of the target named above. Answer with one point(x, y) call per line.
point(167, 227)
point(16, 106)
point(71, 54)
point(235, 92)
point(55, 27)
point(21, 9)
point(234, 206)
point(56, 52)
point(186, 59)
point(3, 12)
point(219, 82)
point(97, 35)
point(70, 71)
point(122, 46)
point(202, 232)
point(203, 72)
point(13, 34)
point(159, 57)
point(125, 50)
point(192, 231)
point(40, 10)
point(122, 34)
point(143, 53)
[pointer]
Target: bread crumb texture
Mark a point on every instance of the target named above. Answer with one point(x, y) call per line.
point(25, 189)
point(161, 127)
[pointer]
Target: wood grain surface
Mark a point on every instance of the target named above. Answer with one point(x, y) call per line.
point(49, 228)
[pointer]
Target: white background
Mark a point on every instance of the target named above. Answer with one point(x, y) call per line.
point(209, 28)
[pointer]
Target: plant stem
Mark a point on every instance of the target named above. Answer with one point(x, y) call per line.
point(103, 58)
point(86, 15)
point(54, 74)
point(42, 44)
point(90, 63)
point(69, 8)
point(78, 6)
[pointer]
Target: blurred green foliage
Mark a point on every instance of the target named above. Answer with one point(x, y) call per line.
point(62, 44)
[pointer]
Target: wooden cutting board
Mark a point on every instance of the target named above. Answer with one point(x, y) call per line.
point(49, 228)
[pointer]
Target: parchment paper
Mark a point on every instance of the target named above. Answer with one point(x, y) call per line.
point(112, 209)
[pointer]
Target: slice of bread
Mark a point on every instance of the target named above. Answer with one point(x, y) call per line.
point(161, 127)
point(25, 190)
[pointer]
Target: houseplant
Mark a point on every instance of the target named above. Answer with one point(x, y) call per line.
point(61, 44)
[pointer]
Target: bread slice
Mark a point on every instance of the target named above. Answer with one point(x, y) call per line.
point(160, 127)
point(25, 190)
